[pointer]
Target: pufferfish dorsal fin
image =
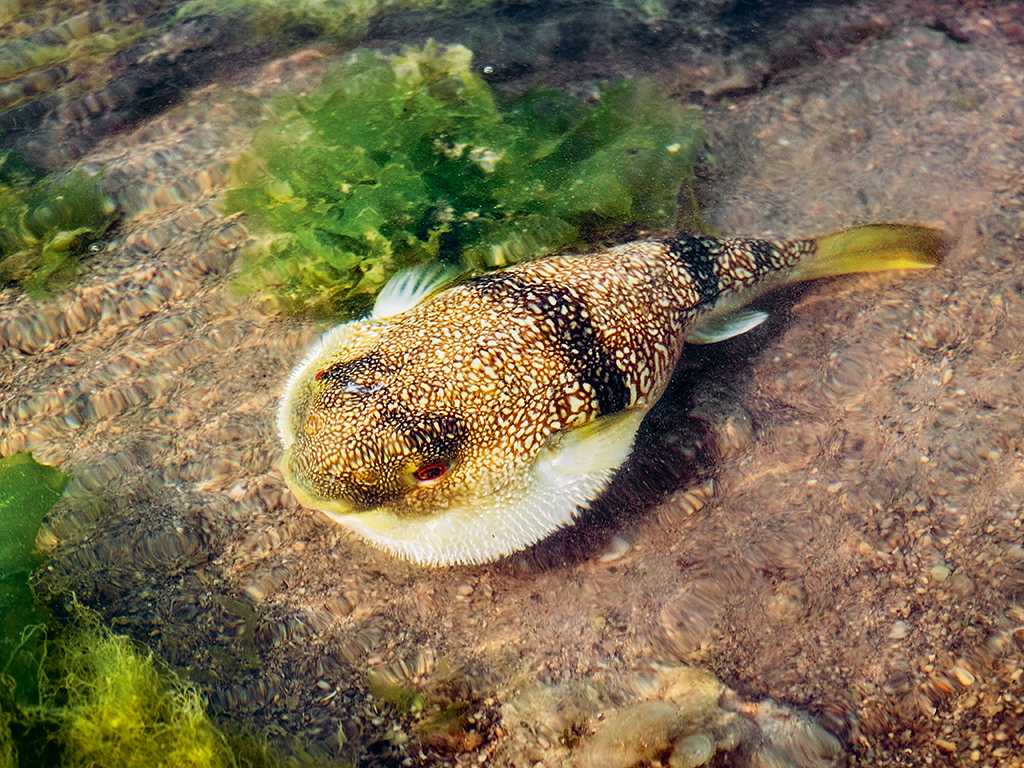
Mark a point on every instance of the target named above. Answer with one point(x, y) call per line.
point(410, 286)
point(715, 329)
point(601, 446)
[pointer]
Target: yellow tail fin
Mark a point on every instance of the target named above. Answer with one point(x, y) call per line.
point(874, 248)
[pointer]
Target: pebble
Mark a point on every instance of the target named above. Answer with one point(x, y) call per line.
point(338, 605)
point(464, 590)
point(939, 572)
point(945, 746)
point(692, 752)
point(961, 584)
point(900, 629)
point(616, 550)
point(632, 735)
point(255, 592)
point(963, 676)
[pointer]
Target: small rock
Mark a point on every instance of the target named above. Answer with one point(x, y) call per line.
point(793, 739)
point(787, 605)
point(632, 735)
point(255, 592)
point(692, 752)
point(939, 572)
point(338, 605)
point(616, 550)
point(464, 590)
point(693, 691)
point(961, 584)
point(963, 676)
point(945, 746)
point(900, 629)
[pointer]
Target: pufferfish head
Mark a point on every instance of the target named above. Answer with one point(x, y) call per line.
point(353, 445)
point(413, 456)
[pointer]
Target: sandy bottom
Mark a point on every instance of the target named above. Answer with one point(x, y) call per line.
point(827, 515)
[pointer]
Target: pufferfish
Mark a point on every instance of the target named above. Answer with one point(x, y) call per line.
point(467, 419)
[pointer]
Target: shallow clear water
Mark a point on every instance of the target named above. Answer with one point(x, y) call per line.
point(815, 554)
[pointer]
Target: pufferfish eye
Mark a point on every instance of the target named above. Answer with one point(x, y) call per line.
point(431, 471)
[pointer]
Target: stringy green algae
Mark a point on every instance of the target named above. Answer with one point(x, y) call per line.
point(397, 160)
point(112, 706)
point(106, 702)
point(46, 222)
point(75, 695)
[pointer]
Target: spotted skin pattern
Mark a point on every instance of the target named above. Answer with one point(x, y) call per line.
point(482, 375)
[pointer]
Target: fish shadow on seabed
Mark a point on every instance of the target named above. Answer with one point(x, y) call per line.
point(677, 446)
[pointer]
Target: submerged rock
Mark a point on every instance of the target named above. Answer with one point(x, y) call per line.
point(684, 718)
point(632, 735)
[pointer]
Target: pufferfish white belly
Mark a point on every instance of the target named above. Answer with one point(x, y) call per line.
point(466, 420)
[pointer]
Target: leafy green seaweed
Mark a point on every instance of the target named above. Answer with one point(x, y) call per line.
point(27, 492)
point(401, 159)
point(46, 222)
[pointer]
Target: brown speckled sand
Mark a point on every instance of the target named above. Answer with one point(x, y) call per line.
point(826, 512)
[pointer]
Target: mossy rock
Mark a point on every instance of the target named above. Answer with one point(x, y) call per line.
point(341, 20)
point(46, 223)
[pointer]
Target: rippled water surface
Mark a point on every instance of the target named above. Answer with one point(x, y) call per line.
point(815, 556)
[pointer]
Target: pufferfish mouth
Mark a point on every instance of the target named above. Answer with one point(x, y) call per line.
point(306, 496)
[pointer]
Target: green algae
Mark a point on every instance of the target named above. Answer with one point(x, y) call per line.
point(341, 20)
point(46, 222)
point(71, 39)
point(648, 11)
point(397, 160)
point(404, 698)
point(114, 703)
point(113, 706)
point(27, 492)
point(437, 711)
point(105, 701)
point(75, 695)
point(21, 56)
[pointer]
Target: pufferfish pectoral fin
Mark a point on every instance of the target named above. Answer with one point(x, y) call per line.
point(599, 447)
point(409, 287)
point(716, 329)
